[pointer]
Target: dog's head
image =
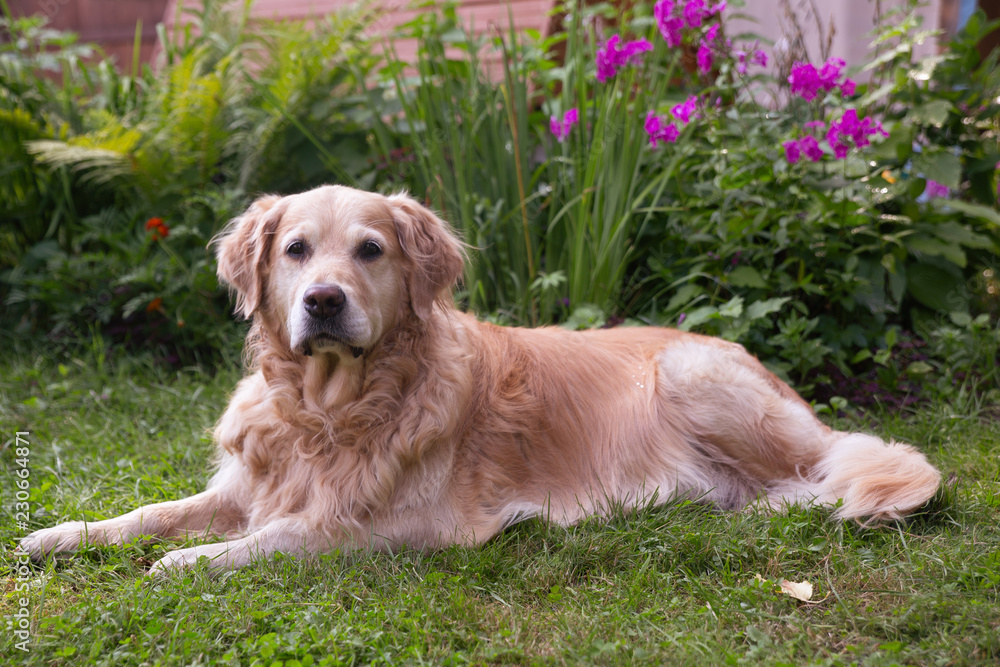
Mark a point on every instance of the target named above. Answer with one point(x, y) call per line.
point(336, 267)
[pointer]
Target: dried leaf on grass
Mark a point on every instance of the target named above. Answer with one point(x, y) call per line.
point(800, 590)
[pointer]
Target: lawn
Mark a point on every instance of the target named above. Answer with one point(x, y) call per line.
point(681, 584)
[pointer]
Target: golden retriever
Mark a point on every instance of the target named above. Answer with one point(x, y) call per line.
point(378, 415)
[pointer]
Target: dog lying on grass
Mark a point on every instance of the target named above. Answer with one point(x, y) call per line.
point(377, 415)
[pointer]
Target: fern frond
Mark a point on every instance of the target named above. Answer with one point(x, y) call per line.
point(21, 123)
point(97, 165)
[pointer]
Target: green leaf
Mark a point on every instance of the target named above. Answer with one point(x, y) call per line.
point(933, 113)
point(927, 245)
point(891, 336)
point(943, 167)
point(879, 93)
point(936, 288)
point(585, 316)
point(955, 232)
point(683, 296)
point(746, 276)
point(732, 308)
point(978, 211)
point(698, 316)
point(759, 309)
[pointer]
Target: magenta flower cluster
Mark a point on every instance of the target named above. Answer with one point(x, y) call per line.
point(691, 16)
point(561, 126)
point(613, 55)
point(842, 134)
point(807, 144)
point(935, 190)
point(744, 59)
point(807, 81)
point(660, 128)
point(849, 129)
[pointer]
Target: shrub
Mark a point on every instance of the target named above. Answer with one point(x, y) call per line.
point(656, 184)
point(637, 165)
point(848, 236)
point(232, 111)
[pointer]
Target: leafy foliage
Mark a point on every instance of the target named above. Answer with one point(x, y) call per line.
point(597, 183)
point(97, 155)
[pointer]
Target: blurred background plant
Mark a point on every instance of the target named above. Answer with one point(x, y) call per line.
point(639, 165)
point(92, 155)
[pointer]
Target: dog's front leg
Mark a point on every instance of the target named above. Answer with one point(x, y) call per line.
point(289, 536)
point(207, 512)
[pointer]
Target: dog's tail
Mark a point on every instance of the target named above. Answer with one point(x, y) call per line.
point(874, 481)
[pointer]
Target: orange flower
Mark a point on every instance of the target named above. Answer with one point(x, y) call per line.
point(157, 228)
point(155, 304)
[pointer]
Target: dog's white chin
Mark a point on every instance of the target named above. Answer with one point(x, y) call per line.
point(326, 343)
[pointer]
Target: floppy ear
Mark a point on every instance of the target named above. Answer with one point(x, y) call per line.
point(243, 248)
point(435, 255)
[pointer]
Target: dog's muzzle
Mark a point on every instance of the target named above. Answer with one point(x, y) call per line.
point(323, 303)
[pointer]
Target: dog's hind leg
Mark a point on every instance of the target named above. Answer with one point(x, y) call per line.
point(758, 426)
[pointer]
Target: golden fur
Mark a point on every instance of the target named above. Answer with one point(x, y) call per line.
point(376, 414)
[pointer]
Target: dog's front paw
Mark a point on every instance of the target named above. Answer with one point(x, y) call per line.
point(173, 561)
point(183, 559)
point(216, 557)
point(47, 541)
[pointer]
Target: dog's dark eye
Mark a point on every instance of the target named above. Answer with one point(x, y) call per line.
point(369, 250)
point(296, 249)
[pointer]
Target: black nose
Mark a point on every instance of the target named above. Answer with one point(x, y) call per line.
point(324, 301)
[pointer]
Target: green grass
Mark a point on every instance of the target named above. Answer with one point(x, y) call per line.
point(675, 585)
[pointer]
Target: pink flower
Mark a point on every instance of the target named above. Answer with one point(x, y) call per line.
point(815, 125)
point(684, 112)
point(561, 127)
point(670, 25)
point(694, 12)
point(840, 148)
point(807, 145)
point(807, 81)
point(741, 62)
point(810, 146)
point(792, 151)
point(849, 129)
point(712, 33)
point(935, 190)
point(659, 130)
point(804, 81)
point(718, 8)
point(847, 88)
point(663, 9)
point(704, 58)
point(758, 58)
point(831, 72)
point(612, 56)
